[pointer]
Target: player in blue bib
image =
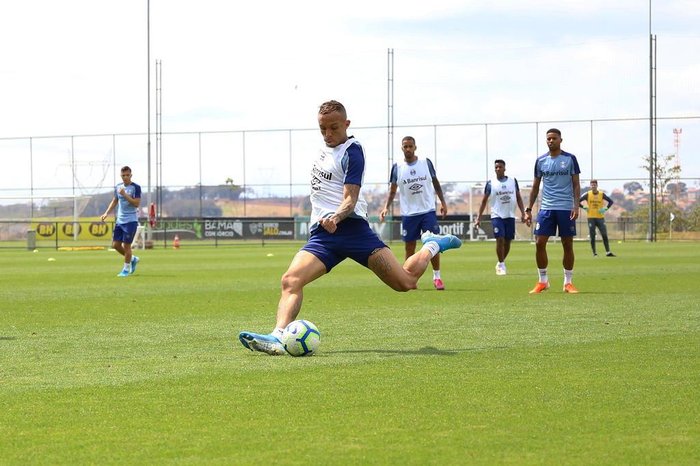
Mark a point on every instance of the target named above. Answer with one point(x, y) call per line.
point(558, 172)
point(127, 198)
point(339, 230)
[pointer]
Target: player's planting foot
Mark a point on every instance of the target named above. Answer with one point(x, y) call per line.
point(123, 273)
point(610, 254)
point(570, 288)
point(500, 269)
point(134, 262)
point(263, 343)
point(438, 284)
point(539, 288)
point(445, 242)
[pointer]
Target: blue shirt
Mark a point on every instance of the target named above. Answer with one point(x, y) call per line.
point(557, 185)
point(126, 212)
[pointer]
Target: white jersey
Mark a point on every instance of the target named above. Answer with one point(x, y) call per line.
point(502, 194)
point(415, 185)
point(332, 170)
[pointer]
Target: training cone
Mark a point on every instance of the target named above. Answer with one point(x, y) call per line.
point(176, 242)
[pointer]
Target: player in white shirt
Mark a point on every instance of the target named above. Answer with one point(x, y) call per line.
point(417, 184)
point(339, 229)
point(504, 193)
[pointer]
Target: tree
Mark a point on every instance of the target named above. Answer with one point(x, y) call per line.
point(665, 170)
point(632, 187)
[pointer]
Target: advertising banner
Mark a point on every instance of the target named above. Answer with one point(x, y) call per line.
point(86, 229)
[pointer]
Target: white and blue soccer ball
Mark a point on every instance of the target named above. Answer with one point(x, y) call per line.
point(301, 338)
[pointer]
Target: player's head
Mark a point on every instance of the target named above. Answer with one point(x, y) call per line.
point(126, 174)
point(553, 139)
point(499, 166)
point(333, 122)
point(408, 146)
point(594, 185)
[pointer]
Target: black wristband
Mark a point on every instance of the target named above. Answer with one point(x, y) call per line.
point(528, 209)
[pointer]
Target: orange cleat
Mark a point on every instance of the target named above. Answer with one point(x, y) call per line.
point(539, 288)
point(570, 288)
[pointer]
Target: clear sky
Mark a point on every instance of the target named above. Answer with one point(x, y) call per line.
point(79, 66)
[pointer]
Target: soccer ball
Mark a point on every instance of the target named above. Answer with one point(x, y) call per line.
point(301, 338)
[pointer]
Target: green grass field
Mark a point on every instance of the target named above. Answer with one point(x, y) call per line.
point(100, 370)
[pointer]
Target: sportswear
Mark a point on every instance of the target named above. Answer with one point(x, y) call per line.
point(595, 203)
point(333, 168)
point(502, 195)
point(556, 173)
point(126, 212)
point(415, 183)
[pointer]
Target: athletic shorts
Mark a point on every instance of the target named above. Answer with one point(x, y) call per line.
point(503, 227)
point(125, 232)
point(353, 238)
point(549, 221)
point(412, 226)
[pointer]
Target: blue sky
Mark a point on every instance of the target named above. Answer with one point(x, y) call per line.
point(79, 67)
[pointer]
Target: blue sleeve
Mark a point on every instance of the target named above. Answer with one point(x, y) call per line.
point(609, 201)
point(394, 176)
point(574, 165)
point(356, 165)
point(538, 173)
point(431, 169)
point(487, 189)
point(137, 191)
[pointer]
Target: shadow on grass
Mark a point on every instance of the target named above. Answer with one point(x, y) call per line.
point(425, 351)
point(7, 338)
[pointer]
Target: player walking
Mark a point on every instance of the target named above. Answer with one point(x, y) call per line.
point(417, 184)
point(127, 196)
point(504, 194)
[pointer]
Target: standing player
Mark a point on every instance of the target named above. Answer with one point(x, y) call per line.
point(558, 171)
point(339, 229)
point(594, 200)
point(417, 184)
point(506, 194)
point(127, 196)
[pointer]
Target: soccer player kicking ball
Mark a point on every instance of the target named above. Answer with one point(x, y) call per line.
point(339, 229)
point(558, 172)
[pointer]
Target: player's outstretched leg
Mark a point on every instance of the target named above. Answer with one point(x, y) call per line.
point(260, 342)
point(446, 242)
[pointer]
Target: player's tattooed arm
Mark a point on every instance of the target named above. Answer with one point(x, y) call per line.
point(350, 194)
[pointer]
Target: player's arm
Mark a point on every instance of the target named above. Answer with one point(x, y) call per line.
point(387, 206)
point(519, 200)
point(534, 192)
point(482, 206)
point(583, 198)
point(134, 201)
point(438, 191)
point(607, 199)
point(351, 192)
point(577, 195)
point(110, 207)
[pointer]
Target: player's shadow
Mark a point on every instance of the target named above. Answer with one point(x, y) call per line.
point(425, 351)
point(7, 338)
